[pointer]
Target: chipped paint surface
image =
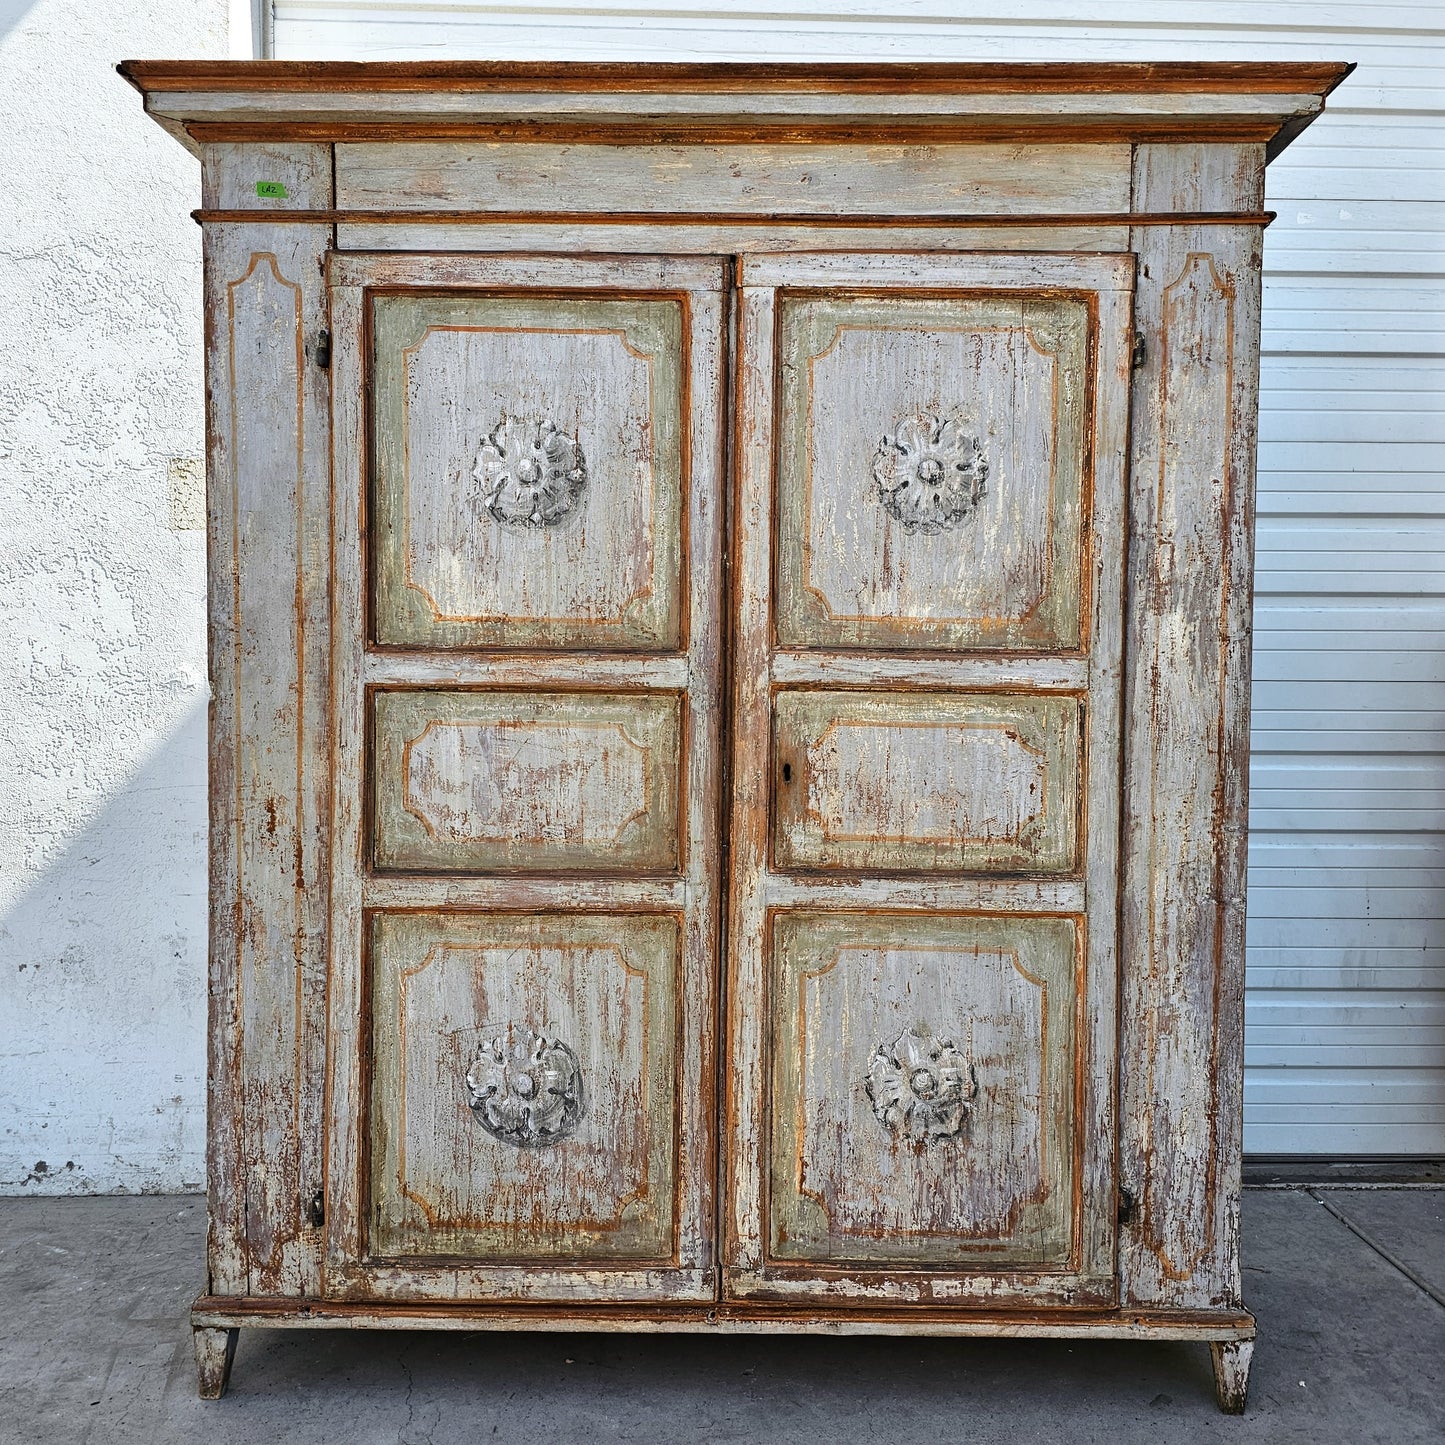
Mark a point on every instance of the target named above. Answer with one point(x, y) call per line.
point(102, 611)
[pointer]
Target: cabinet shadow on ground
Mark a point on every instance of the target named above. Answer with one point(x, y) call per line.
point(1349, 1350)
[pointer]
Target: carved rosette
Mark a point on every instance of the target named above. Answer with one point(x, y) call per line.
point(930, 473)
point(525, 1088)
point(531, 473)
point(921, 1086)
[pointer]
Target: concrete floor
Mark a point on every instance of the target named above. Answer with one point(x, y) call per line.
point(94, 1347)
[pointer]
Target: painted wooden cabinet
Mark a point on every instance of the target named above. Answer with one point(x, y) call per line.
point(730, 601)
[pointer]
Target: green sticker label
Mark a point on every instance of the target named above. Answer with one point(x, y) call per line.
point(271, 188)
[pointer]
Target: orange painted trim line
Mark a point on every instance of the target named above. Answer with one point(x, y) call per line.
point(728, 218)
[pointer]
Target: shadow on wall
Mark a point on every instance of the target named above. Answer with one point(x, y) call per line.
point(12, 12)
point(103, 994)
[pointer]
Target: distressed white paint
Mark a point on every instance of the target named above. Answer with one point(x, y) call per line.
point(102, 663)
point(925, 781)
point(474, 385)
point(480, 782)
point(1346, 1050)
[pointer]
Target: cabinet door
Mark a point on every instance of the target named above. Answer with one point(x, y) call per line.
point(525, 658)
point(925, 825)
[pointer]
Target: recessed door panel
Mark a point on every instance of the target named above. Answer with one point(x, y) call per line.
point(923, 1083)
point(530, 457)
point(925, 781)
point(523, 1100)
point(932, 457)
point(484, 781)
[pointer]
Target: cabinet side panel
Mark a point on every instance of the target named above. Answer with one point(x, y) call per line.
point(269, 480)
point(1187, 742)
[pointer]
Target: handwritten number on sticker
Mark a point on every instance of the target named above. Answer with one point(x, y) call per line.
point(271, 188)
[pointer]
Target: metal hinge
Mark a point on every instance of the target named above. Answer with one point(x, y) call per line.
point(1126, 1205)
point(1141, 351)
point(316, 1210)
point(323, 350)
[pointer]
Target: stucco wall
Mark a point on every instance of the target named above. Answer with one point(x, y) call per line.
point(102, 646)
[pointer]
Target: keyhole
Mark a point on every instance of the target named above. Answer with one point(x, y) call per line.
point(787, 772)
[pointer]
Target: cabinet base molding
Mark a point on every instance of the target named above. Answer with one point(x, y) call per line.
point(217, 1312)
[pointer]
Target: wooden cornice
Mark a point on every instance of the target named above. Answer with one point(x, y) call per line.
point(204, 101)
point(1032, 78)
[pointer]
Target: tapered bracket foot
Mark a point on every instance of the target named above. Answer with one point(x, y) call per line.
point(215, 1349)
point(1231, 1373)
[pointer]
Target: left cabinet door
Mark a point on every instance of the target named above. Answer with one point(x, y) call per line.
point(525, 656)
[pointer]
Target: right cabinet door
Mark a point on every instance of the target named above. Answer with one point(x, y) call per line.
point(930, 532)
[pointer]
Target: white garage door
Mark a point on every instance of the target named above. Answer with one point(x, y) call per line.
point(1346, 1004)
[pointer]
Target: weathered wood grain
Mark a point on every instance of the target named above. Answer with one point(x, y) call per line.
point(1077, 81)
point(524, 1097)
point(1198, 176)
point(744, 1059)
point(231, 171)
point(941, 671)
point(739, 103)
point(923, 1079)
point(548, 274)
point(268, 483)
point(215, 1348)
point(1186, 763)
point(732, 1318)
point(476, 782)
point(930, 894)
point(556, 671)
point(505, 890)
point(530, 467)
point(931, 470)
point(925, 782)
point(1231, 1360)
point(1107, 724)
point(345, 986)
point(469, 768)
point(443, 891)
point(705, 237)
point(823, 179)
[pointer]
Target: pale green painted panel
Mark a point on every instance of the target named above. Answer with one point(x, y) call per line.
point(473, 781)
point(933, 471)
point(923, 1096)
point(926, 782)
point(529, 463)
point(523, 1101)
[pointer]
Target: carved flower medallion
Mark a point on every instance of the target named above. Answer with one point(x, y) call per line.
point(531, 473)
point(525, 1088)
point(930, 473)
point(921, 1086)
